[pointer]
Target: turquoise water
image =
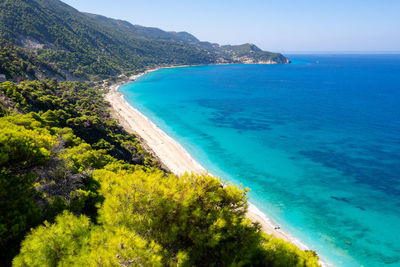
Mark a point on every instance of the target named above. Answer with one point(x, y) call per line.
point(316, 141)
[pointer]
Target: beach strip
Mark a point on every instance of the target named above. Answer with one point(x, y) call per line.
point(172, 155)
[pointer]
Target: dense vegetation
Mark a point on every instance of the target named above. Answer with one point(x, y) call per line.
point(252, 52)
point(91, 46)
point(92, 195)
point(17, 62)
point(46, 150)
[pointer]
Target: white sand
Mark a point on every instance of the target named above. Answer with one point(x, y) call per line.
point(173, 156)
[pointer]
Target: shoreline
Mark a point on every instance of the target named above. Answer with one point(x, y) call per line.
point(173, 156)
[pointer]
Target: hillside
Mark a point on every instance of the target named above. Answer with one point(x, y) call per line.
point(92, 46)
point(250, 53)
point(18, 63)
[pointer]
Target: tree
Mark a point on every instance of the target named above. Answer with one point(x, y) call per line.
point(55, 244)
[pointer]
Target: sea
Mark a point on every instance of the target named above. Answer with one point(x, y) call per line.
point(316, 141)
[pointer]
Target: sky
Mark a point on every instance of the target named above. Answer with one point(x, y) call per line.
point(280, 25)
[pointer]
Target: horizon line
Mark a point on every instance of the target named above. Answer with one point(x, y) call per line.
point(341, 52)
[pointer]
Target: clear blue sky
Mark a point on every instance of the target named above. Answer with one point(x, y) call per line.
point(281, 25)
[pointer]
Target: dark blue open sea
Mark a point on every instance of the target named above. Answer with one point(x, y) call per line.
point(317, 142)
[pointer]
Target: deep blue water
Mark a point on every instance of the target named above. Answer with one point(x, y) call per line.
point(317, 142)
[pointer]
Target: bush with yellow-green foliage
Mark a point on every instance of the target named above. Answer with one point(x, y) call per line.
point(28, 146)
point(75, 241)
point(55, 244)
point(192, 216)
point(36, 180)
point(83, 157)
point(23, 144)
point(82, 108)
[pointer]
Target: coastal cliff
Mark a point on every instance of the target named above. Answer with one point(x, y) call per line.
point(251, 54)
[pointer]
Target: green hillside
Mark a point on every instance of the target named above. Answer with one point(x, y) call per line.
point(92, 46)
point(17, 63)
point(249, 52)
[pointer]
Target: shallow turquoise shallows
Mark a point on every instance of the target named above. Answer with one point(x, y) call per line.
point(317, 142)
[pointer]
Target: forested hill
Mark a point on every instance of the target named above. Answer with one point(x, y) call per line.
point(18, 63)
point(92, 46)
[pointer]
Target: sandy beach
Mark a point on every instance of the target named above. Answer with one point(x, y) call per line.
point(172, 155)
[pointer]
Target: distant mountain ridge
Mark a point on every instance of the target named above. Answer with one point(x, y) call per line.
point(92, 46)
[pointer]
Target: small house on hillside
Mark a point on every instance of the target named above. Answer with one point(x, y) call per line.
point(2, 78)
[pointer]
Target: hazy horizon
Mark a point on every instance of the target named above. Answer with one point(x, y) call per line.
point(310, 26)
point(342, 52)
